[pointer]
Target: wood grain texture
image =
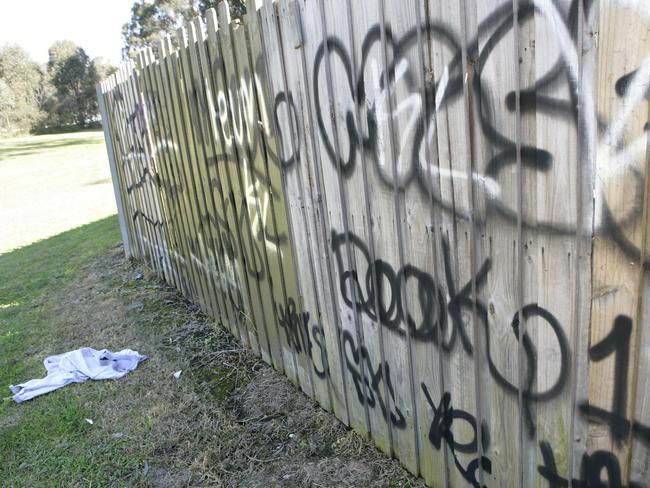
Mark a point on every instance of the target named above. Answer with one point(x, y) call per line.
point(619, 191)
point(432, 216)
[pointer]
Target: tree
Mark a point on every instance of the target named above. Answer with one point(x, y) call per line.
point(63, 93)
point(103, 68)
point(237, 7)
point(7, 104)
point(73, 76)
point(20, 89)
point(151, 21)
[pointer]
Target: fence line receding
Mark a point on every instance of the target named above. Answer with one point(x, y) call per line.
point(432, 216)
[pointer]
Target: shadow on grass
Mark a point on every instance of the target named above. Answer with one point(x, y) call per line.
point(10, 151)
point(27, 271)
point(102, 181)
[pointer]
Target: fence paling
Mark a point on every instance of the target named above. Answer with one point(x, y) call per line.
point(431, 216)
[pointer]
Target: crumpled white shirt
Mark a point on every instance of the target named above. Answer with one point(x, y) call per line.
point(76, 367)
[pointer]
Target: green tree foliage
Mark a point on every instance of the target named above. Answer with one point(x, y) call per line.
point(7, 103)
point(103, 68)
point(237, 7)
point(21, 91)
point(153, 20)
point(73, 76)
point(57, 95)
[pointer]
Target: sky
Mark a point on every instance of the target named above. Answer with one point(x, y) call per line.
point(95, 25)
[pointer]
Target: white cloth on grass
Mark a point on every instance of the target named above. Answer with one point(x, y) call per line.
point(76, 367)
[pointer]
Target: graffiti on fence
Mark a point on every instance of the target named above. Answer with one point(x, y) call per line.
point(227, 169)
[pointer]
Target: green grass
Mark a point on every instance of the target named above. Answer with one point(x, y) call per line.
point(51, 448)
point(52, 183)
point(12, 150)
point(44, 443)
point(28, 273)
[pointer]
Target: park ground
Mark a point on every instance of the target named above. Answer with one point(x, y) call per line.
point(229, 420)
point(52, 183)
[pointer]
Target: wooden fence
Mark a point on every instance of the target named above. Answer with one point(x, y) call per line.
point(431, 215)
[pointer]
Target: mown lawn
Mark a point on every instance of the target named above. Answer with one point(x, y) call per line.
point(52, 183)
